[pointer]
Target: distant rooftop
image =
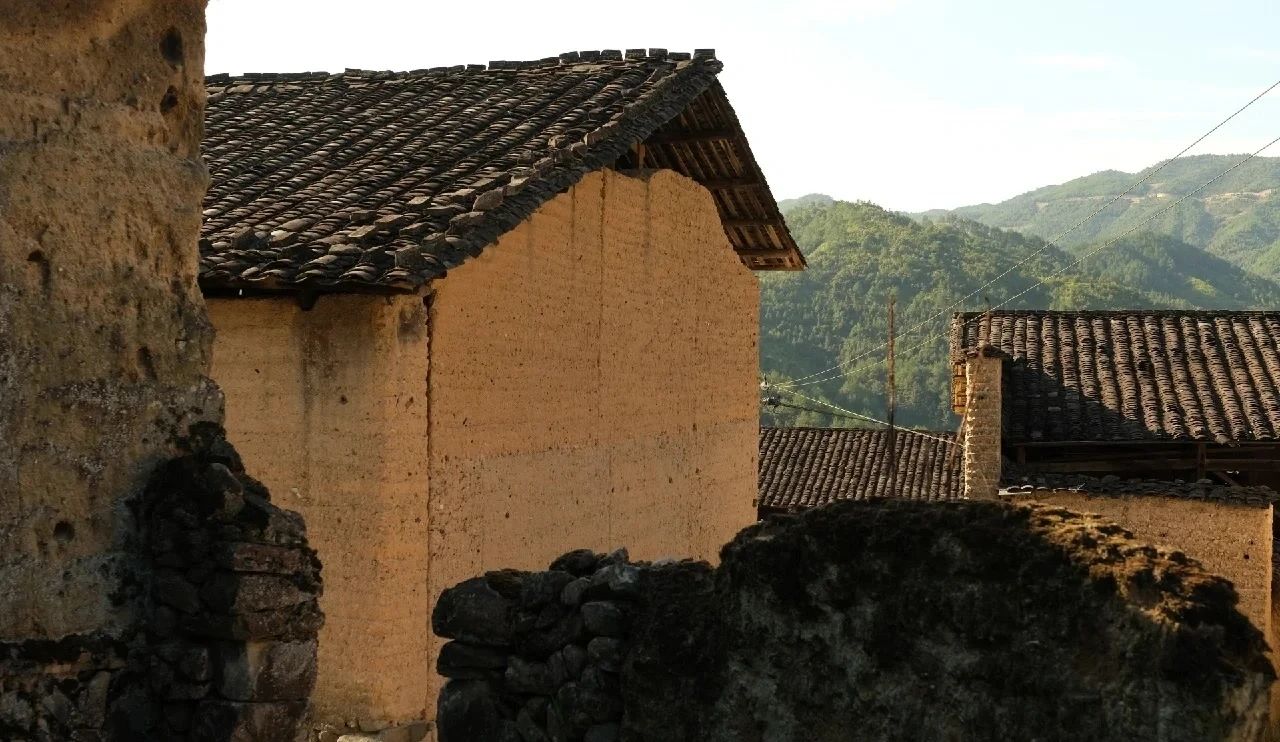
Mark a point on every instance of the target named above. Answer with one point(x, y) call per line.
point(807, 467)
point(1133, 375)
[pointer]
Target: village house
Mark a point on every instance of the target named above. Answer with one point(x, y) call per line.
point(473, 317)
point(802, 468)
point(1165, 421)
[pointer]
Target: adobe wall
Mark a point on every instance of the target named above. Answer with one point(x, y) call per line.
point(103, 339)
point(330, 406)
point(593, 383)
point(149, 589)
point(1230, 540)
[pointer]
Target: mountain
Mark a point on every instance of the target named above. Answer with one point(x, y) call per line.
point(859, 253)
point(1237, 218)
point(809, 199)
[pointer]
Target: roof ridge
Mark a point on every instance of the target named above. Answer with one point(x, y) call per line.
point(900, 429)
point(653, 55)
point(1115, 312)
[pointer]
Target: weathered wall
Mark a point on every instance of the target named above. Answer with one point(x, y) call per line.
point(982, 425)
point(1230, 540)
point(330, 406)
point(1030, 622)
point(593, 383)
point(103, 338)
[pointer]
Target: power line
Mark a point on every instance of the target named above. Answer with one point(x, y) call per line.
point(1072, 264)
point(842, 412)
point(1112, 241)
point(804, 380)
point(1059, 272)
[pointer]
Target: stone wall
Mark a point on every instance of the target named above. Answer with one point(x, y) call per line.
point(225, 589)
point(536, 656)
point(232, 606)
point(881, 620)
point(982, 426)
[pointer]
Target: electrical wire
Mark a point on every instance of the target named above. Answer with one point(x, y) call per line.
point(1039, 282)
point(842, 412)
point(1056, 273)
point(805, 380)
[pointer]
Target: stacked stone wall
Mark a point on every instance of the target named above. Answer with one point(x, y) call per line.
point(871, 620)
point(537, 656)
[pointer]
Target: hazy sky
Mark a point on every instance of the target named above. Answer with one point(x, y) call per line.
point(912, 104)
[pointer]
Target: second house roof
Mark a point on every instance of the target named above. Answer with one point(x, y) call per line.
point(1133, 374)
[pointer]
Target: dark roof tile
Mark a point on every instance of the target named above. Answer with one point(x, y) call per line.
point(806, 467)
point(445, 160)
point(1133, 375)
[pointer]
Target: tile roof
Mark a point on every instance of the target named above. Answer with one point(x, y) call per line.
point(1133, 375)
point(1113, 486)
point(805, 467)
point(383, 181)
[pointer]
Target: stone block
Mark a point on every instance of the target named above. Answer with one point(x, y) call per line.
point(232, 721)
point(249, 557)
point(604, 618)
point(474, 612)
point(461, 660)
point(251, 593)
point(266, 670)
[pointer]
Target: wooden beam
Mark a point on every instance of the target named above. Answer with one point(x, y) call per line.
point(1223, 476)
point(1200, 461)
point(725, 184)
point(1110, 467)
point(749, 222)
point(1242, 464)
point(762, 252)
point(706, 135)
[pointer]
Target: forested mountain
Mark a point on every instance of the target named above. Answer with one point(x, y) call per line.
point(1236, 218)
point(859, 254)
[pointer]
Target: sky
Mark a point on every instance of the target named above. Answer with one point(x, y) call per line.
point(910, 104)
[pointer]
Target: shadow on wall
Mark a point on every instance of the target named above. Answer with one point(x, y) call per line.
point(224, 648)
point(900, 620)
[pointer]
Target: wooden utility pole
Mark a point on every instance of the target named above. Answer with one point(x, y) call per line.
point(891, 395)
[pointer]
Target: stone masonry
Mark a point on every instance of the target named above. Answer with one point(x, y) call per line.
point(880, 620)
point(537, 655)
point(982, 424)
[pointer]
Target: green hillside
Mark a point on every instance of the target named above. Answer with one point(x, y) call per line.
point(1237, 218)
point(859, 253)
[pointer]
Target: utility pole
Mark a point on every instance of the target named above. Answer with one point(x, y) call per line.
point(891, 395)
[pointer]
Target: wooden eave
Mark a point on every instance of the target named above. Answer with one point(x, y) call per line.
point(706, 143)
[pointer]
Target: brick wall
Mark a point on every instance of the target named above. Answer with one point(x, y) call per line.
point(982, 426)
